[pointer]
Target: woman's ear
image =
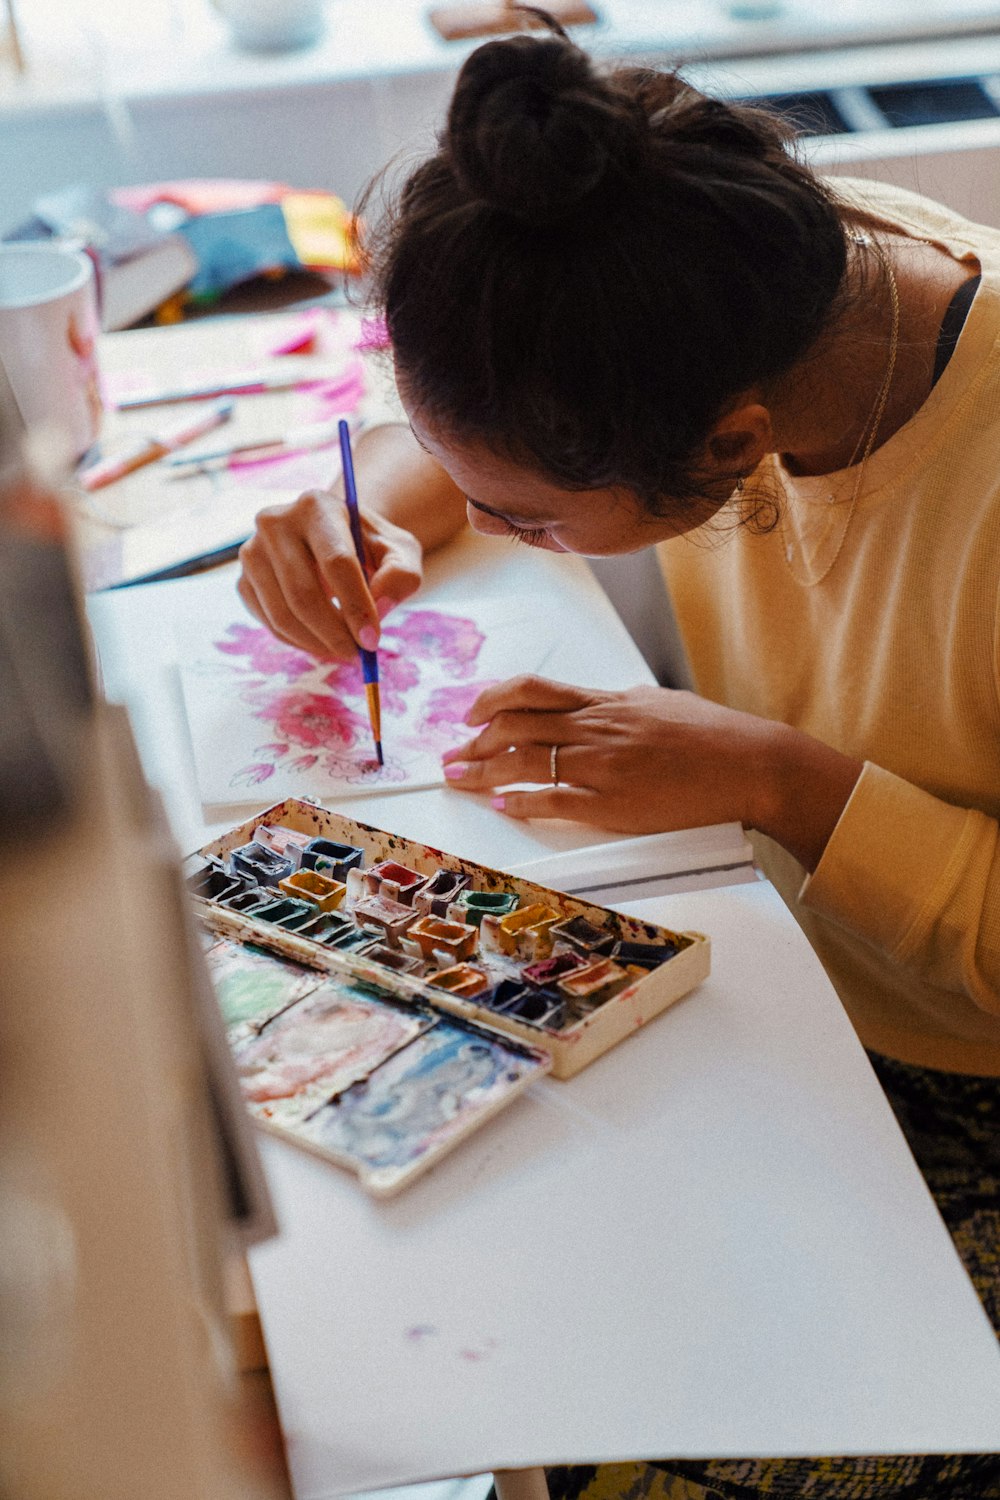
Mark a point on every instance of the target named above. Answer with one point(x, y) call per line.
point(739, 439)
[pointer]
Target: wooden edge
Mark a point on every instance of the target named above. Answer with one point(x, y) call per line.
point(466, 22)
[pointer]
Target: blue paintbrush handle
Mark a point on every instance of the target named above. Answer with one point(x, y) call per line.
point(351, 493)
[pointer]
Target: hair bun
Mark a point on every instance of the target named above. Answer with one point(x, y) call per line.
point(533, 130)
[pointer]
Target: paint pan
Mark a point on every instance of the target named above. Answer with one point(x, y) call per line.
point(391, 958)
point(319, 1047)
point(437, 894)
point(252, 986)
point(550, 970)
point(585, 936)
point(536, 1007)
point(524, 933)
point(286, 913)
point(392, 881)
point(464, 980)
point(319, 890)
point(595, 982)
point(260, 864)
point(285, 841)
point(421, 1102)
point(389, 919)
point(646, 955)
point(474, 905)
point(215, 883)
point(433, 936)
point(331, 858)
point(250, 899)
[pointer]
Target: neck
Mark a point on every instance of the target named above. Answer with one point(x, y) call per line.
point(822, 411)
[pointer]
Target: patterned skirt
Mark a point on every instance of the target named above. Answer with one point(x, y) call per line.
point(952, 1124)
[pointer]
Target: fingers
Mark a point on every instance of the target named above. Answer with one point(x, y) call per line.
point(327, 537)
point(523, 763)
point(578, 803)
point(397, 570)
point(527, 693)
point(302, 577)
point(509, 730)
point(268, 608)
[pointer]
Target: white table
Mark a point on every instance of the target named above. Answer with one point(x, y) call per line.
point(713, 1241)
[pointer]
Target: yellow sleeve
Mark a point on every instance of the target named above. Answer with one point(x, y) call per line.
point(919, 879)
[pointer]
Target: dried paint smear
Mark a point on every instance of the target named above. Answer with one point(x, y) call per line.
point(420, 1098)
point(318, 1048)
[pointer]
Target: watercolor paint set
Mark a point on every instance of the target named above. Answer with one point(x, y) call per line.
point(384, 998)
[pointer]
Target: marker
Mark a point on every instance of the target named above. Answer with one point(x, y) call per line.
point(147, 450)
point(248, 385)
point(369, 659)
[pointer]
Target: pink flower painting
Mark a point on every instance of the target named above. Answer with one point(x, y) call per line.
point(314, 714)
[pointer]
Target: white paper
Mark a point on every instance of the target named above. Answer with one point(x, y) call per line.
point(267, 721)
point(654, 864)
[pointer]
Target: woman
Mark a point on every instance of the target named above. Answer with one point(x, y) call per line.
point(624, 314)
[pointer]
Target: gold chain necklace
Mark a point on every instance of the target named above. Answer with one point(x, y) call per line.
point(871, 427)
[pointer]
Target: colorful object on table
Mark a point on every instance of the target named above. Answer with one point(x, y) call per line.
point(463, 980)
point(392, 880)
point(435, 935)
point(472, 906)
point(260, 864)
point(525, 932)
point(421, 1100)
point(318, 890)
point(438, 894)
point(260, 711)
point(330, 858)
point(304, 231)
point(369, 658)
point(148, 450)
point(250, 383)
point(320, 1035)
point(604, 979)
point(389, 919)
point(319, 1048)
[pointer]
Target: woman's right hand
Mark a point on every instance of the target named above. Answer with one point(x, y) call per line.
point(302, 579)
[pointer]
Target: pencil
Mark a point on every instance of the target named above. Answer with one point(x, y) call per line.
point(369, 659)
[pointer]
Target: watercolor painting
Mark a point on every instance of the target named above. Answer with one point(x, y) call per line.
point(267, 721)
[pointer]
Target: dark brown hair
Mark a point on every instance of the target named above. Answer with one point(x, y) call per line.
point(594, 263)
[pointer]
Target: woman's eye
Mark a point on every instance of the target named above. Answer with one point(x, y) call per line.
point(530, 536)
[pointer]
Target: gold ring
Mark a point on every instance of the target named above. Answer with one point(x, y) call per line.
point(554, 764)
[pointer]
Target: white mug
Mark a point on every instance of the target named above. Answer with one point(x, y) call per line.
point(48, 337)
point(273, 25)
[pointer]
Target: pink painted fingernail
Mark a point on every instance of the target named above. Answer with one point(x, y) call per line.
point(453, 773)
point(450, 755)
point(384, 605)
point(499, 803)
point(368, 637)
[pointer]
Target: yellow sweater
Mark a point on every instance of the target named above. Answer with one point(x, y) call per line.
point(893, 657)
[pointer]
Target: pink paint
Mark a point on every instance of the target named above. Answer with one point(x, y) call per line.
point(315, 712)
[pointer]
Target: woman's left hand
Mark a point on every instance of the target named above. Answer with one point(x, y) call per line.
point(644, 760)
point(651, 759)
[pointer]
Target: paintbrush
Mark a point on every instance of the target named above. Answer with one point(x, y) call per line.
point(369, 659)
